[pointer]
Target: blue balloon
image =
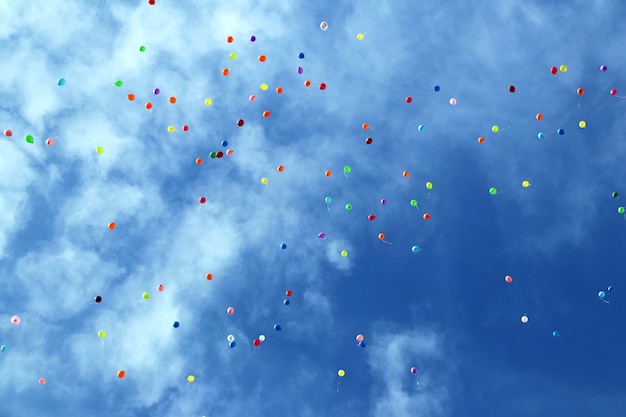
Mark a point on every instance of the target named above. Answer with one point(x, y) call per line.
point(286, 302)
point(416, 249)
point(556, 334)
point(3, 348)
point(362, 344)
point(610, 289)
point(437, 88)
point(540, 135)
point(560, 131)
point(301, 55)
point(277, 327)
point(232, 344)
point(283, 246)
point(176, 324)
point(224, 143)
point(601, 294)
point(421, 128)
point(61, 81)
point(328, 200)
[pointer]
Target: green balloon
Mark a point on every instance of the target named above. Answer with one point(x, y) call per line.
point(30, 139)
point(414, 203)
point(493, 190)
point(119, 83)
point(213, 154)
point(348, 207)
point(347, 169)
point(142, 48)
point(614, 194)
point(621, 210)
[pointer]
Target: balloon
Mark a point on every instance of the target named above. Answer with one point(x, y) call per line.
point(230, 39)
point(524, 318)
point(42, 381)
point(348, 207)
point(160, 287)
point(322, 86)
point(280, 168)
point(493, 191)
point(171, 129)
point(362, 344)
point(300, 70)
point(540, 135)
point(176, 325)
point(30, 139)
point(554, 70)
point(307, 83)
point(383, 202)
point(365, 126)
point(262, 338)
point(426, 216)
point(232, 55)
point(328, 173)
point(360, 36)
point(453, 101)
point(539, 117)
point(408, 99)
point(131, 97)
point(191, 378)
point(371, 217)
point(563, 68)
point(279, 90)
point(602, 294)
point(560, 131)
point(322, 235)
point(603, 68)
point(405, 174)
point(328, 200)
point(323, 25)
point(4, 348)
point(15, 320)
point(429, 185)
point(301, 55)
point(286, 302)
point(344, 253)
point(142, 48)
point(283, 246)
point(252, 98)
point(414, 203)
point(224, 143)
point(230, 310)
point(230, 337)
point(202, 200)
point(511, 89)
point(508, 279)
point(61, 82)
point(421, 128)
point(614, 194)
point(98, 299)
point(415, 249)
point(232, 344)
point(525, 184)
point(111, 225)
point(413, 370)
point(119, 83)
point(613, 92)
point(264, 181)
point(256, 342)
point(556, 334)
point(8, 133)
point(156, 91)
point(148, 105)
point(172, 100)
point(145, 295)
point(229, 152)
point(620, 210)
point(225, 72)
point(288, 293)
point(341, 373)
point(580, 91)
point(359, 337)
point(582, 124)
point(481, 140)
point(208, 101)
point(121, 374)
point(264, 87)
point(495, 128)
point(277, 327)
point(610, 288)
point(437, 88)
point(102, 334)
point(381, 236)
point(347, 169)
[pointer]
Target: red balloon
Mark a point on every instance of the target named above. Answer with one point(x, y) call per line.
point(408, 99)
point(151, 2)
point(426, 216)
point(371, 217)
point(511, 88)
point(202, 200)
point(240, 122)
point(323, 86)
point(613, 92)
point(288, 293)
point(256, 342)
point(369, 141)
point(554, 70)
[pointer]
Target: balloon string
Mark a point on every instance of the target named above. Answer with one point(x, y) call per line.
point(608, 302)
point(338, 385)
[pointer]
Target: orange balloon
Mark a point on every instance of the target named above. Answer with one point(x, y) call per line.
point(481, 140)
point(328, 173)
point(539, 117)
point(230, 39)
point(198, 161)
point(172, 100)
point(405, 174)
point(262, 58)
point(279, 90)
point(121, 374)
point(381, 236)
point(225, 72)
point(426, 216)
point(580, 91)
point(131, 97)
point(266, 114)
point(307, 83)
point(365, 126)
point(112, 225)
point(209, 276)
point(148, 105)
point(280, 168)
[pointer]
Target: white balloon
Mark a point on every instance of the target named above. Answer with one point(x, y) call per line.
point(230, 338)
point(262, 338)
point(324, 25)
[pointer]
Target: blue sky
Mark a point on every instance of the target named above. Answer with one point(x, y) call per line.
point(445, 310)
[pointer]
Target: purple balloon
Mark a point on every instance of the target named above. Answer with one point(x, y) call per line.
point(413, 370)
point(322, 235)
point(383, 201)
point(603, 68)
point(156, 91)
point(252, 38)
point(300, 70)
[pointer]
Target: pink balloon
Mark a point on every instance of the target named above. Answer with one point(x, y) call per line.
point(230, 310)
point(229, 152)
point(453, 101)
point(160, 287)
point(49, 141)
point(42, 381)
point(16, 320)
point(359, 338)
point(8, 133)
point(252, 98)
point(508, 279)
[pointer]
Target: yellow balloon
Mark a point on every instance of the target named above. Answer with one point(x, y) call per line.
point(171, 129)
point(99, 149)
point(264, 87)
point(341, 373)
point(360, 36)
point(102, 334)
point(208, 101)
point(429, 185)
point(495, 128)
point(524, 318)
point(344, 253)
point(264, 181)
point(232, 55)
point(563, 68)
point(191, 378)
point(582, 124)
point(525, 184)
point(145, 295)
